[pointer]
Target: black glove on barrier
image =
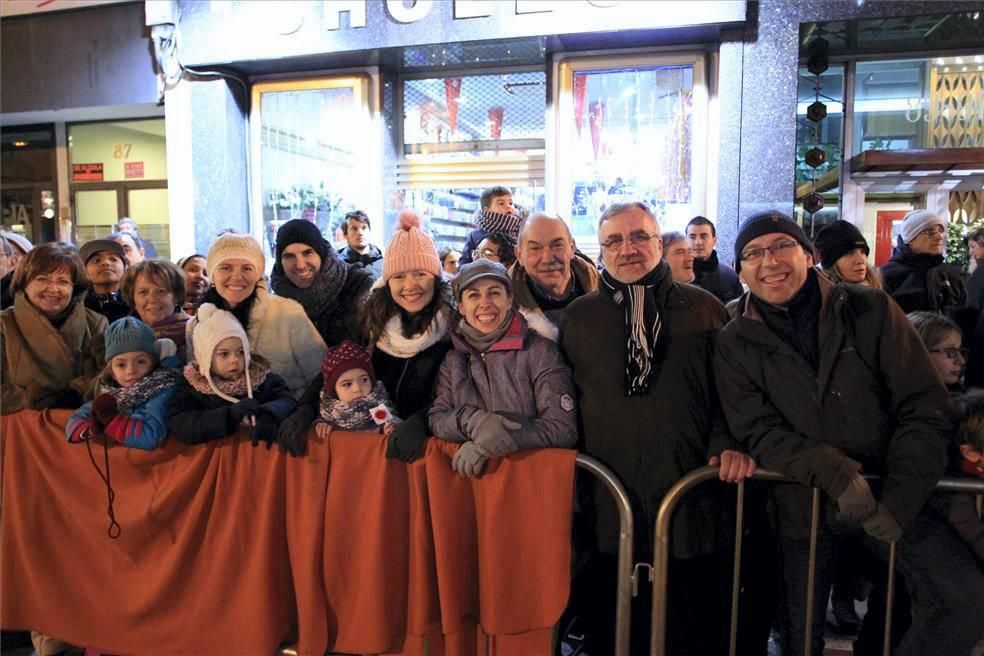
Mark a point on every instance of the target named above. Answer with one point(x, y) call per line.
point(408, 440)
point(293, 433)
point(265, 430)
point(243, 409)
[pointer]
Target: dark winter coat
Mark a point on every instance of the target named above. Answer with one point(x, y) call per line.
point(194, 417)
point(411, 382)
point(922, 282)
point(371, 260)
point(343, 323)
point(975, 287)
point(474, 238)
point(873, 405)
point(651, 441)
point(522, 376)
point(719, 279)
point(112, 306)
point(6, 298)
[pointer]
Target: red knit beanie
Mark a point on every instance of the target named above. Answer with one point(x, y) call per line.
point(346, 356)
point(410, 249)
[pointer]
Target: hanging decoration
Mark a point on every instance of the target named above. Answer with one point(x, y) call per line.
point(496, 115)
point(452, 89)
point(580, 95)
point(816, 156)
point(597, 112)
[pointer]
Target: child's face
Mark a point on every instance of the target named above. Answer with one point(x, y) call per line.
point(229, 359)
point(128, 368)
point(353, 385)
point(502, 204)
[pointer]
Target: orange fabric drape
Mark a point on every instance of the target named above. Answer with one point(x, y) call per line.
point(225, 546)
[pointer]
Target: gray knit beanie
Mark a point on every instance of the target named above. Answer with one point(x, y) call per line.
point(129, 335)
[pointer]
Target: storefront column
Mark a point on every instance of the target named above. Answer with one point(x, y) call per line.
point(206, 161)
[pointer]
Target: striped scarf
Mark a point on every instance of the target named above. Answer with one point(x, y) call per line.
point(645, 334)
point(507, 224)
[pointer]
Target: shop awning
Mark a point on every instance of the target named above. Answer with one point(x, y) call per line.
point(914, 170)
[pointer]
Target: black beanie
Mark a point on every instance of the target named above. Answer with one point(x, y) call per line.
point(301, 231)
point(837, 240)
point(766, 223)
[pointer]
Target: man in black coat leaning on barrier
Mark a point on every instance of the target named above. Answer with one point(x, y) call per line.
point(824, 383)
point(641, 350)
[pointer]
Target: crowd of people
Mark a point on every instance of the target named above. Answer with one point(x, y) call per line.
point(801, 359)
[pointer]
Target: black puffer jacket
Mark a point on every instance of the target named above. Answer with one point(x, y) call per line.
point(651, 441)
point(719, 279)
point(194, 417)
point(922, 282)
point(372, 259)
point(873, 404)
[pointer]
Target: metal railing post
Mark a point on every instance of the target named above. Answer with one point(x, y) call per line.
point(623, 594)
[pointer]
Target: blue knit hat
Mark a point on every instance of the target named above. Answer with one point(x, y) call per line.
point(128, 335)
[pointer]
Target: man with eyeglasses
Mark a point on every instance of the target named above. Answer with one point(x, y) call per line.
point(641, 351)
point(549, 273)
point(359, 250)
point(826, 383)
point(916, 276)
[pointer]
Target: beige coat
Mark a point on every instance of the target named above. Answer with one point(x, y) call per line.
point(35, 355)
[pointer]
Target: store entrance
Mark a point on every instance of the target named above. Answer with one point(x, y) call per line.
point(98, 206)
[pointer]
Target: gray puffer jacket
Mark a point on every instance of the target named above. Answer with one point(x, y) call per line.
point(522, 377)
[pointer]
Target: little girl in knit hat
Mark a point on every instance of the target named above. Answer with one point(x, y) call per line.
point(352, 399)
point(132, 393)
point(224, 387)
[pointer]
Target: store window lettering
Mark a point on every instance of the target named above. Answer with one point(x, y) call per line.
point(405, 13)
point(121, 151)
point(970, 111)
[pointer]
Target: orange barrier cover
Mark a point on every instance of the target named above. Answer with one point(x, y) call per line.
point(225, 546)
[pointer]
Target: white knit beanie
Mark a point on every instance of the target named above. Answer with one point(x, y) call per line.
point(231, 246)
point(211, 327)
point(918, 220)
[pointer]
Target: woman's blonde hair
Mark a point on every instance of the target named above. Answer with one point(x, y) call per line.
point(871, 276)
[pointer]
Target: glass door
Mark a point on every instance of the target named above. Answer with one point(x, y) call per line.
point(96, 213)
point(630, 129)
point(314, 155)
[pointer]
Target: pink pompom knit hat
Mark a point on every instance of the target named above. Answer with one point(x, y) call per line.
point(410, 249)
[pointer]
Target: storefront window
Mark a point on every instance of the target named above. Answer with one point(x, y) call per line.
point(112, 166)
point(631, 132)
point(919, 103)
point(312, 154)
point(27, 174)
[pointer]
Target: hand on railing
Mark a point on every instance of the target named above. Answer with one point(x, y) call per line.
point(734, 466)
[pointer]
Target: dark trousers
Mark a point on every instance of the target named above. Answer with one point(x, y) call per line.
point(941, 574)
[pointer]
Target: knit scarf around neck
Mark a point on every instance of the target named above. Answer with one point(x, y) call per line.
point(321, 297)
point(645, 337)
point(392, 342)
point(130, 398)
point(236, 388)
point(355, 415)
point(493, 222)
point(481, 341)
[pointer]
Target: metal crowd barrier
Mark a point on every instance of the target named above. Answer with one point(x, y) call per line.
point(662, 553)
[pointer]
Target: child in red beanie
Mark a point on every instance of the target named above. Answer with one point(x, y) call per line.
point(352, 399)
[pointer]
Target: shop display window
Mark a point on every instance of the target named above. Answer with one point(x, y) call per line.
point(631, 131)
point(313, 153)
point(936, 102)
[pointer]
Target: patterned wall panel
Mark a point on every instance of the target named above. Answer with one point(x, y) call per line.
point(956, 109)
point(966, 206)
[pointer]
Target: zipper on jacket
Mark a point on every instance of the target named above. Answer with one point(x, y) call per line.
point(399, 381)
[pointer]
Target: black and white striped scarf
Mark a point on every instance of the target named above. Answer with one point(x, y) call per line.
point(645, 334)
point(507, 224)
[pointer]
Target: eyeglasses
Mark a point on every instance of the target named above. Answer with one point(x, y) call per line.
point(779, 249)
point(952, 352)
point(933, 230)
point(637, 239)
point(44, 282)
point(487, 253)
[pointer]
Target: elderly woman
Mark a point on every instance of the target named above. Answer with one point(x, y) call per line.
point(405, 320)
point(277, 327)
point(155, 289)
point(51, 346)
point(503, 388)
point(844, 255)
point(196, 282)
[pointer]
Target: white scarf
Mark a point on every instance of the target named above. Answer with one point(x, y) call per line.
point(392, 341)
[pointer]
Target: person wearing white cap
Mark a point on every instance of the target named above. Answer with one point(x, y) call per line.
point(916, 276)
point(277, 327)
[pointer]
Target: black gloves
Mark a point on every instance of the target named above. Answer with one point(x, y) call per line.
point(50, 398)
point(293, 432)
point(245, 408)
point(265, 431)
point(408, 440)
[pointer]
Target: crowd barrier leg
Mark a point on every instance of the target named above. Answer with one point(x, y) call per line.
point(626, 536)
point(662, 554)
